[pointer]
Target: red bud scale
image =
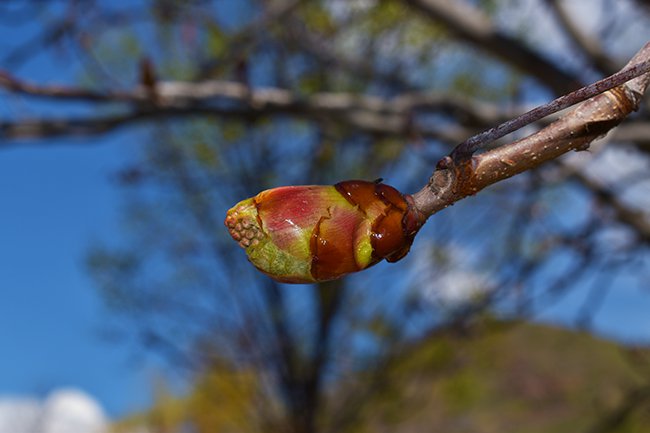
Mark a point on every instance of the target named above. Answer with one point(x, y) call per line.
point(306, 234)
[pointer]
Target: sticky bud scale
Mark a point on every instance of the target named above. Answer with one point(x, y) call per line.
point(306, 234)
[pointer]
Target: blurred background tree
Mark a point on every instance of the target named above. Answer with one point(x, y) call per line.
point(222, 99)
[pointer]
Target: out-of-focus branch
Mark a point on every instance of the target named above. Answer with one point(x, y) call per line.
point(381, 125)
point(637, 132)
point(588, 45)
point(14, 85)
point(273, 12)
point(371, 114)
point(644, 3)
point(471, 25)
point(454, 180)
point(181, 94)
point(318, 46)
point(623, 213)
point(50, 35)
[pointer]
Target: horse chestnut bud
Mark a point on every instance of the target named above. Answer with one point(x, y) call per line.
point(306, 234)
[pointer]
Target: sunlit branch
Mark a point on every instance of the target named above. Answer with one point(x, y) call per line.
point(454, 180)
point(369, 114)
point(466, 148)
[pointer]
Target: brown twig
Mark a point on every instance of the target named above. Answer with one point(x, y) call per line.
point(469, 146)
point(371, 114)
point(455, 179)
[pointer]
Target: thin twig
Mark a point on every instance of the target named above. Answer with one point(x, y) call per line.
point(468, 147)
point(456, 178)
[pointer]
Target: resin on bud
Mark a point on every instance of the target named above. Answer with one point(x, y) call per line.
point(306, 234)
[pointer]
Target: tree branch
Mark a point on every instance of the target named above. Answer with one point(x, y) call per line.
point(454, 180)
point(469, 24)
point(632, 218)
point(469, 146)
point(588, 45)
point(392, 116)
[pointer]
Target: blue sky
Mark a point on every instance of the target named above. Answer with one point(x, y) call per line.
point(55, 201)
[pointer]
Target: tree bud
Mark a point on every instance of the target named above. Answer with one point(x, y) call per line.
point(306, 234)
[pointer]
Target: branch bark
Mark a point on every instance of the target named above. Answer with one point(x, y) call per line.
point(469, 146)
point(455, 179)
point(371, 114)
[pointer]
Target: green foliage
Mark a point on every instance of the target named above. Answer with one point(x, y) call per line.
point(205, 154)
point(316, 17)
point(223, 399)
point(217, 40)
point(536, 377)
